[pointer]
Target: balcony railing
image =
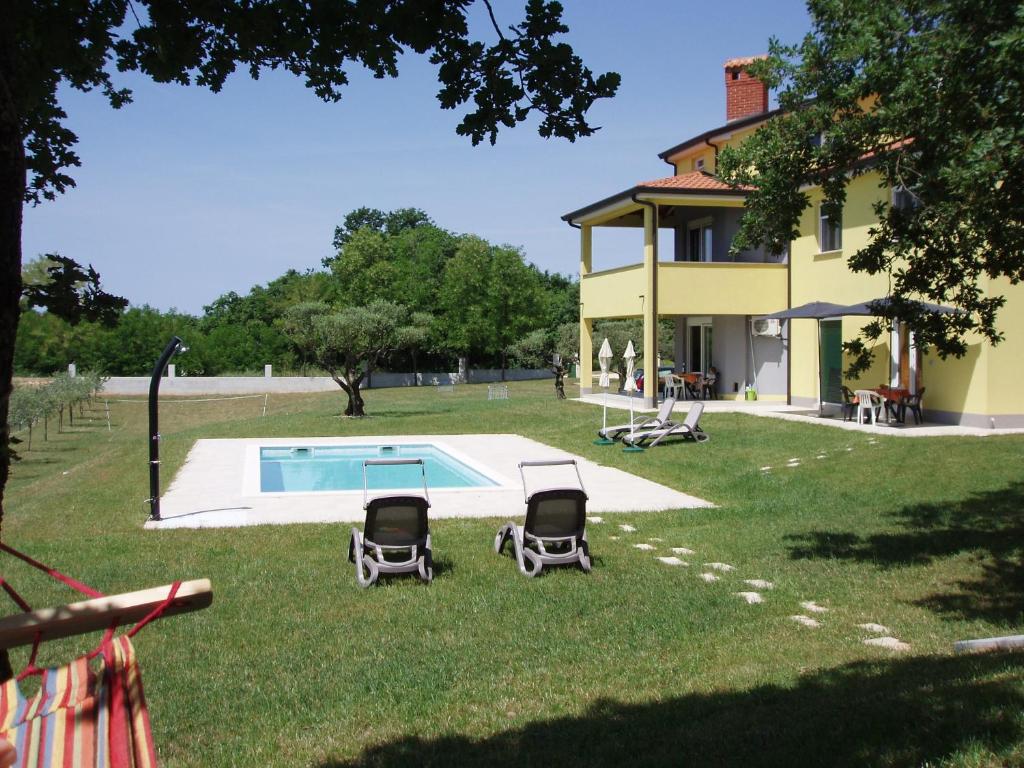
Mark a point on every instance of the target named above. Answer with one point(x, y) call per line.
point(687, 288)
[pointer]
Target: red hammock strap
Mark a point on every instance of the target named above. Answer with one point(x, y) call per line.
point(13, 594)
point(73, 583)
point(156, 612)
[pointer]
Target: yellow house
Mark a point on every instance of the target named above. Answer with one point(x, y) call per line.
point(717, 301)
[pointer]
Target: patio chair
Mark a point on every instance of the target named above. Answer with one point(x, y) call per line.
point(643, 421)
point(688, 429)
point(396, 535)
point(709, 386)
point(849, 403)
point(913, 404)
point(555, 529)
point(868, 402)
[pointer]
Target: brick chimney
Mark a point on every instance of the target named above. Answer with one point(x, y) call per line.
point(744, 95)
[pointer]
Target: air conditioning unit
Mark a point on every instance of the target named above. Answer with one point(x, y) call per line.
point(766, 326)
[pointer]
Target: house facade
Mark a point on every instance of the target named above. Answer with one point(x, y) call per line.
point(716, 301)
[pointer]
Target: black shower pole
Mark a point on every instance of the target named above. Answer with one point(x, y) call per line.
point(154, 431)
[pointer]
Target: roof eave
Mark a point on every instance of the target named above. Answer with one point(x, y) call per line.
point(743, 122)
point(627, 196)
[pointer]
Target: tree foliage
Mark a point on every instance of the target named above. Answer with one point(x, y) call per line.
point(928, 93)
point(71, 292)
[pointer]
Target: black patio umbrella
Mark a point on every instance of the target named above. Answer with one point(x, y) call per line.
point(879, 307)
point(814, 310)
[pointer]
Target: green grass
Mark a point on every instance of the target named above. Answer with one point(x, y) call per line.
point(636, 663)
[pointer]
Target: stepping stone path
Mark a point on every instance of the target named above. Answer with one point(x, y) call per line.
point(891, 643)
point(755, 598)
point(877, 629)
point(813, 607)
point(595, 519)
point(793, 464)
point(752, 598)
point(766, 469)
point(821, 456)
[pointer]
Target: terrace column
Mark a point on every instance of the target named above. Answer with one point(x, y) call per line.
point(586, 324)
point(650, 306)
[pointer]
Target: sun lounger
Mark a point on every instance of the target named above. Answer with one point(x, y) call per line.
point(688, 429)
point(396, 535)
point(555, 528)
point(642, 421)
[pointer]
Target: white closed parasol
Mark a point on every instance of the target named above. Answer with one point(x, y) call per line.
point(604, 357)
point(630, 386)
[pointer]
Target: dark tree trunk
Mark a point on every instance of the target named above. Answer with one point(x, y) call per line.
point(504, 363)
point(355, 400)
point(12, 197)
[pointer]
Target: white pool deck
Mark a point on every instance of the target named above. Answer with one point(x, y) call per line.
point(217, 486)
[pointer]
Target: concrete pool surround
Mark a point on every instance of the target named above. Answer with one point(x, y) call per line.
point(218, 485)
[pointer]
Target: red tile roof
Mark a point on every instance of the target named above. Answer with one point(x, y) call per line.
point(698, 181)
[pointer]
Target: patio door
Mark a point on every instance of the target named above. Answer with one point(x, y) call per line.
point(698, 240)
point(830, 355)
point(700, 347)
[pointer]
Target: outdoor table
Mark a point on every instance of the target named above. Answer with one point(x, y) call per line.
point(692, 383)
point(895, 395)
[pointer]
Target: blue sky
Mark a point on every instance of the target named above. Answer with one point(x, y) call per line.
point(185, 195)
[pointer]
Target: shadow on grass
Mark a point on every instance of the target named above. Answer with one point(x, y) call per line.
point(899, 712)
point(989, 524)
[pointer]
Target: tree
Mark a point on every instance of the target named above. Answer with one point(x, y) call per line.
point(555, 347)
point(489, 299)
point(928, 94)
point(349, 343)
point(376, 220)
point(48, 47)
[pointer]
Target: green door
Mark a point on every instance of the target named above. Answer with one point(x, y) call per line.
point(831, 357)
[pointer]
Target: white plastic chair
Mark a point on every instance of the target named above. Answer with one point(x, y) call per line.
point(673, 387)
point(868, 402)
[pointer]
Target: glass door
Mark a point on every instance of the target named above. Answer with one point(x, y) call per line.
point(830, 374)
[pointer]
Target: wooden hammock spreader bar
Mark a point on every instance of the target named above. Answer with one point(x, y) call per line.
point(101, 612)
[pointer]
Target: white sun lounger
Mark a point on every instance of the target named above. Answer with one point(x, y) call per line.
point(643, 421)
point(689, 429)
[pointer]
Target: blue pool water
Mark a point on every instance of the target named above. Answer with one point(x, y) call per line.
point(340, 468)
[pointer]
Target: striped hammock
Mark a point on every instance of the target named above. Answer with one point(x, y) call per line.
point(82, 718)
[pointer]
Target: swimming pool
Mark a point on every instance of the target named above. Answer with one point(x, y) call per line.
point(305, 469)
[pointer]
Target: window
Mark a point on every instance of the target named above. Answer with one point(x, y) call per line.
point(830, 227)
point(698, 164)
point(698, 241)
point(904, 200)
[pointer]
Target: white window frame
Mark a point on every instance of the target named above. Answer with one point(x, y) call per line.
point(830, 234)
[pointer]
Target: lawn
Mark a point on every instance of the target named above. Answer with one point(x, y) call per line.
point(637, 663)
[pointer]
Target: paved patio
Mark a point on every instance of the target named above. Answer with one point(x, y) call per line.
point(774, 410)
point(218, 486)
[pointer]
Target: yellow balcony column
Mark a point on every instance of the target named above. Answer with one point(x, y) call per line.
point(586, 323)
point(650, 306)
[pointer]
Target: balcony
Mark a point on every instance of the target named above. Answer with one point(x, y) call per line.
point(687, 288)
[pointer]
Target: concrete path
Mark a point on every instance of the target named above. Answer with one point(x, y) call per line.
point(218, 486)
point(618, 413)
